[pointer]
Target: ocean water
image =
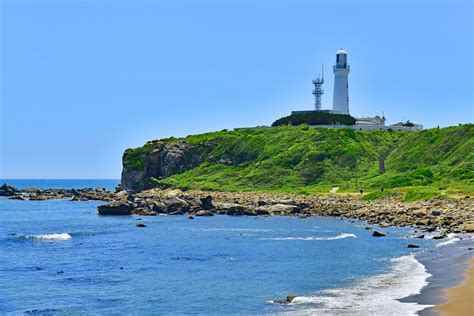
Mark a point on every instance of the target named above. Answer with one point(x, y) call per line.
point(61, 257)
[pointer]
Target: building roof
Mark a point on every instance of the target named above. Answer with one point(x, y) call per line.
point(341, 51)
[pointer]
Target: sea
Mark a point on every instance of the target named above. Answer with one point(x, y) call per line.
point(60, 257)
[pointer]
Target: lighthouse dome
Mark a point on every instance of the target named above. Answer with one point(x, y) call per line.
point(341, 51)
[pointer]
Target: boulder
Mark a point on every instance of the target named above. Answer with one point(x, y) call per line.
point(288, 300)
point(204, 213)
point(420, 212)
point(377, 234)
point(174, 204)
point(413, 246)
point(122, 207)
point(206, 203)
point(282, 209)
point(468, 227)
point(232, 209)
point(226, 162)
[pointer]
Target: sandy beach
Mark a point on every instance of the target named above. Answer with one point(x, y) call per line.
point(460, 299)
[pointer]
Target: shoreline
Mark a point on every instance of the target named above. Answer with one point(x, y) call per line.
point(447, 266)
point(459, 299)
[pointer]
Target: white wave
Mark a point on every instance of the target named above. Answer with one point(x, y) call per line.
point(52, 237)
point(374, 295)
point(451, 239)
point(256, 230)
point(340, 236)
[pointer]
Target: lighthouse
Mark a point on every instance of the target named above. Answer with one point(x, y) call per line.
point(341, 83)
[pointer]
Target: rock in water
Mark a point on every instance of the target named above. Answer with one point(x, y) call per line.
point(140, 225)
point(204, 213)
point(413, 246)
point(6, 190)
point(377, 234)
point(116, 208)
point(288, 300)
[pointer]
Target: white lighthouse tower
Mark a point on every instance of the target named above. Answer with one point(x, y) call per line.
point(341, 83)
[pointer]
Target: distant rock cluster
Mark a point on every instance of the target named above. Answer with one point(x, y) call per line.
point(89, 194)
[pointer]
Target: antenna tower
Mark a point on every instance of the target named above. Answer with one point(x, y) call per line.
point(318, 91)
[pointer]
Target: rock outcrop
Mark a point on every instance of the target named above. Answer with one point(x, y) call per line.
point(160, 160)
point(88, 194)
point(116, 208)
point(6, 190)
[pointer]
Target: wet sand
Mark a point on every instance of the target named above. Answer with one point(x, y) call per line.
point(447, 265)
point(460, 299)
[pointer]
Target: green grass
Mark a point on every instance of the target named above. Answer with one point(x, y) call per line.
point(421, 193)
point(377, 194)
point(305, 160)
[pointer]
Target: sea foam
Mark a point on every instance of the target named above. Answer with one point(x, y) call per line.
point(452, 238)
point(371, 295)
point(340, 236)
point(49, 237)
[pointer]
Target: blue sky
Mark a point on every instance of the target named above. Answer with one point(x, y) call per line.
point(83, 80)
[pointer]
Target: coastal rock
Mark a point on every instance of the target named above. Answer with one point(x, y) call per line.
point(288, 300)
point(116, 208)
point(140, 225)
point(281, 209)
point(377, 234)
point(6, 190)
point(142, 212)
point(413, 246)
point(231, 209)
point(204, 213)
point(174, 204)
point(468, 227)
point(206, 203)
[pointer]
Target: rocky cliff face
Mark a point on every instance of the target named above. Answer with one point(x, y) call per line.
point(156, 160)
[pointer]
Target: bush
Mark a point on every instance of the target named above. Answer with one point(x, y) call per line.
point(316, 118)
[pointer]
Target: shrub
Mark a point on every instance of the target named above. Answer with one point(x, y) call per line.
point(316, 118)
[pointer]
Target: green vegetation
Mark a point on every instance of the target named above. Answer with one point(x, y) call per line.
point(315, 118)
point(132, 157)
point(378, 194)
point(420, 165)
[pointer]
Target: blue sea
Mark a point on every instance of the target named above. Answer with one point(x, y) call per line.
point(60, 257)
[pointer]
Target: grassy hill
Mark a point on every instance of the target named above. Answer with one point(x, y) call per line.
point(307, 160)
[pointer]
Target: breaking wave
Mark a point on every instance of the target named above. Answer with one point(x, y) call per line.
point(372, 294)
point(257, 230)
point(340, 236)
point(452, 238)
point(48, 237)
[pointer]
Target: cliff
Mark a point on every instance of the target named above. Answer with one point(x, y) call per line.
point(305, 160)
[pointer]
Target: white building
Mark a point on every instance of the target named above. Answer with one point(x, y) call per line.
point(341, 83)
point(376, 120)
